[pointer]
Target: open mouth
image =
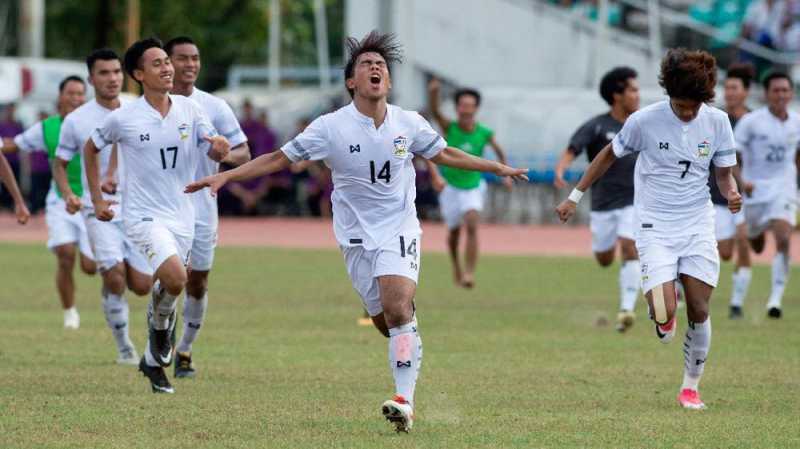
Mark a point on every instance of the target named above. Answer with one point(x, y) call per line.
point(375, 80)
point(166, 77)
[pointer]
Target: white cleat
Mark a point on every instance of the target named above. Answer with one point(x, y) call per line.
point(399, 411)
point(666, 332)
point(128, 357)
point(71, 319)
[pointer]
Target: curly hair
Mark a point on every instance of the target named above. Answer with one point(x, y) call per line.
point(690, 75)
point(385, 45)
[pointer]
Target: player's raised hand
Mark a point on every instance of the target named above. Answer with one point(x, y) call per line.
point(517, 174)
point(72, 203)
point(102, 209)
point(213, 182)
point(220, 147)
point(566, 210)
point(22, 213)
point(734, 201)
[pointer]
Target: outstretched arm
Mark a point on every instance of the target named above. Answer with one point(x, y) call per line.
point(263, 165)
point(240, 154)
point(596, 169)
point(453, 157)
point(433, 104)
point(7, 176)
point(563, 164)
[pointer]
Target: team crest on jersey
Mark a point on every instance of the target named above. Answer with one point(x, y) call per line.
point(703, 149)
point(183, 131)
point(400, 144)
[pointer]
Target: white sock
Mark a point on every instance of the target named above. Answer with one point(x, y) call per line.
point(741, 283)
point(629, 284)
point(695, 350)
point(115, 308)
point(405, 358)
point(780, 272)
point(162, 308)
point(194, 311)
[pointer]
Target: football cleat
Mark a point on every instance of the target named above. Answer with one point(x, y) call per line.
point(735, 313)
point(398, 411)
point(774, 313)
point(158, 378)
point(625, 320)
point(161, 341)
point(128, 356)
point(690, 399)
point(183, 366)
point(666, 332)
point(71, 319)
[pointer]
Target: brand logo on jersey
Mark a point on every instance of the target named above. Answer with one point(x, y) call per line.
point(183, 131)
point(703, 149)
point(144, 137)
point(400, 143)
point(663, 145)
point(645, 277)
point(355, 149)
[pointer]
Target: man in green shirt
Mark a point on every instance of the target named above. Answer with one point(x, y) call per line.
point(462, 193)
point(66, 233)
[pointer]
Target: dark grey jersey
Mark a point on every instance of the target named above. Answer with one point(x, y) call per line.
point(716, 195)
point(614, 190)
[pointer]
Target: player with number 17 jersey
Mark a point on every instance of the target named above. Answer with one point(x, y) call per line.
point(160, 156)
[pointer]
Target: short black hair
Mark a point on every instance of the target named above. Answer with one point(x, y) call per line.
point(467, 91)
point(689, 74)
point(776, 75)
point(615, 82)
point(385, 45)
point(745, 72)
point(70, 79)
point(134, 54)
point(175, 41)
point(101, 54)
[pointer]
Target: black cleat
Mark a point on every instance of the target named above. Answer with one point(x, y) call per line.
point(161, 341)
point(736, 313)
point(183, 366)
point(158, 378)
point(774, 313)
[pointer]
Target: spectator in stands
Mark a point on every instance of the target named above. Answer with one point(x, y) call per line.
point(763, 22)
point(790, 40)
point(9, 127)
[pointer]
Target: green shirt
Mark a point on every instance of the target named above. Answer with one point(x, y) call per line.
point(51, 127)
point(470, 142)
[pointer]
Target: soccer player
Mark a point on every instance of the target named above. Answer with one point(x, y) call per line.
point(185, 58)
point(730, 229)
point(768, 138)
point(120, 264)
point(611, 219)
point(462, 192)
point(676, 140)
point(66, 232)
point(161, 139)
point(369, 145)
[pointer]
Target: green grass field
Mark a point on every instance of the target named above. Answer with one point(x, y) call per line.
point(521, 361)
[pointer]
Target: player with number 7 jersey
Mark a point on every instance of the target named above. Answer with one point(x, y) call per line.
point(369, 146)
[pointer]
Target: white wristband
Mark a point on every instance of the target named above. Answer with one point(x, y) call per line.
point(575, 196)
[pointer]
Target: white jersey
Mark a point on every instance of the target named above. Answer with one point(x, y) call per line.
point(160, 157)
point(76, 129)
point(671, 177)
point(32, 139)
point(768, 146)
point(224, 121)
point(372, 170)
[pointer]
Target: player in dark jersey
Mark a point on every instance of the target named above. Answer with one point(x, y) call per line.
point(730, 229)
point(612, 195)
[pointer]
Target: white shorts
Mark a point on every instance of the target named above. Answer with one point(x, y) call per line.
point(158, 241)
point(759, 215)
point(64, 228)
point(454, 203)
point(401, 257)
point(609, 226)
point(662, 259)
point(726, 222)
point(203, 244)
point(110, 245)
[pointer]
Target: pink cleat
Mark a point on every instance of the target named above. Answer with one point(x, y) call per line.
point(666, 332)
point(690, 399)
